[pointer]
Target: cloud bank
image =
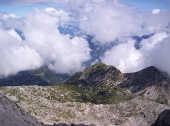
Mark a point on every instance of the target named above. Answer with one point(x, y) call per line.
point(43, 45)
point(34, 40)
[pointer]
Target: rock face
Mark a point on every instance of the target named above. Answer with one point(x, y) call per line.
point(163, 119)
point(12, 115)
point(145, 78)
point(150, 82)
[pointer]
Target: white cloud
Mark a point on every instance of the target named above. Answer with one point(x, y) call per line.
point(16, 56)
point(14, 34)
point(155, 11)
point(153, 52)
point(43, 44)
point(125, 57)
point(7, 16)
point(107, 20)
point(155, 23)
point(58, 51)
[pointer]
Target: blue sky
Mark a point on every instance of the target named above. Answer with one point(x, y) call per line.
point(20, 9)
point(148, 5)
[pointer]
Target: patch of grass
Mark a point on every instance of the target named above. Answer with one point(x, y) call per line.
point(162, 101)
point(40, 74)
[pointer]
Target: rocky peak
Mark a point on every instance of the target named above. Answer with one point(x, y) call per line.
point(145, 78)
point(97, 73)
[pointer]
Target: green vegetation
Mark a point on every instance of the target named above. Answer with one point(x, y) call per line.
point(47, 75)
point(142, 94)
point(97, 94)
point(95, 67)
point(162, 101)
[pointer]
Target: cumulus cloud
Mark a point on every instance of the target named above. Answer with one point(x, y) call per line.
point(16, 56)
point(155, 11)
point(43, 45)
point(106, 20)
point(153, 52)
point(58, 51)
point(124, 56)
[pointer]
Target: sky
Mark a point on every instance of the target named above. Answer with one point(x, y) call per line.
point(20, 8)
point(31, 34)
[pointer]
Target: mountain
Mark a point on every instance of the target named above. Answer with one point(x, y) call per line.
point(95, 74)
point(12, 115)
point(149, 82)
point(99, 95)
point(99, 83)
point(42, 77)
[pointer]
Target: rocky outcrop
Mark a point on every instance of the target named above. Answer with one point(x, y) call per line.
point(163, 119)
point(12, 115)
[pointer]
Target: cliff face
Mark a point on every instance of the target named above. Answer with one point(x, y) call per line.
point(12, 115)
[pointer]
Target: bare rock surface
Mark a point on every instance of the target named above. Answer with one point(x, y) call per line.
point(12, 115)
point(35, 100)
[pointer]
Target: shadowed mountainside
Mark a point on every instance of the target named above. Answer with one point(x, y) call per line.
point(41, 77)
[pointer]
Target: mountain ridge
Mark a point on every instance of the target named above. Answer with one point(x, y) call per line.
point(99, 95)
point(149, 82)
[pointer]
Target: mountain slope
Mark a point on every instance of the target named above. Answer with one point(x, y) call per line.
point(42, 77)
point(99, 95)
point(99, 83)
point(95, 74)
point(55, 104)
point(149, 82)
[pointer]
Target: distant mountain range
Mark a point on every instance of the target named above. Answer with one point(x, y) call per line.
point(42, 77)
